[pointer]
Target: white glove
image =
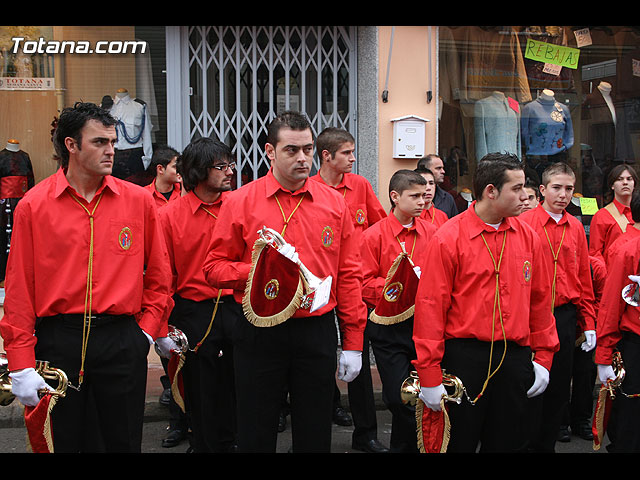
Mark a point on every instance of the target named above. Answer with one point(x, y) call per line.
point(166, 346)
point(635, 278)
point(25, 385)
point(431, 396)
point(541, 381)
point(148, 337)
point(289, 251)
point(417, 270)
point(605, 373)
point(590, 341)
point(349, 365)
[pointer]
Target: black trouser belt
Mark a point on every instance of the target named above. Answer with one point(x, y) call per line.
point(95, 319)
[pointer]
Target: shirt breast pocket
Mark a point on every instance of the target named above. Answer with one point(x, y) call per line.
point(125, 237)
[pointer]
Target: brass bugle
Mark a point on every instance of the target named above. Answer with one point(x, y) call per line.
point(313, 282)
point(43, 369)
point(410, 388)
point(178, 337)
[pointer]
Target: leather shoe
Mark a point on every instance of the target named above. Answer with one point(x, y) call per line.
point(173, 438)
point(583, 431)
point(341, 417)
point(563, 434)
point(370, 446)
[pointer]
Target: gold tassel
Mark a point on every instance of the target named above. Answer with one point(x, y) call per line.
point(598, 418)
point(175, 389)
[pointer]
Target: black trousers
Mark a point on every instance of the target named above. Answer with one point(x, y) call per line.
point(547, 410)
point(128, 165)
point(298, 355)
point(106, 415)
point(394, 350)
point(624, 423)
point(208, 373)
point(497, 422)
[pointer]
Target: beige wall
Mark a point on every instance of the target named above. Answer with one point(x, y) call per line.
point(407, 88)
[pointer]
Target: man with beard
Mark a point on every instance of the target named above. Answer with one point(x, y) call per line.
point(202, 312)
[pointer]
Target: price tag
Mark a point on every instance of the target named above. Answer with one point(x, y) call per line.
point(583, 37)
point(588, 206)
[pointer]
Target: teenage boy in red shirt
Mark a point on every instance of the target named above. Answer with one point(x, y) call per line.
point(335, 148)
point(430, 213)
point(572, 298)
point(482, 313)
point(391, 332)
point(166, 185)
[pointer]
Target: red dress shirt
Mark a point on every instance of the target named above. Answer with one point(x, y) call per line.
point(604, 229)
point(160, 199)
point(573, 273)
point(188, 228)
point(455, 296)
point(381, 246)
point(615, 315)
point(321, 230)
point(47, 267)
point(434, 216)
point(363, 204)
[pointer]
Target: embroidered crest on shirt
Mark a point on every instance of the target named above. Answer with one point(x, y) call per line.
point(360, 217)
point(124, 239)
point(327, 236)
point(526, 270)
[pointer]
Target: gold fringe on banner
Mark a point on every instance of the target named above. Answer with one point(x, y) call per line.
point(401, 317)
point(438, 424)
point(599, 417)
point(249, 312)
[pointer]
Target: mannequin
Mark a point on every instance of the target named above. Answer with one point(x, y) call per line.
point(133, 148)
point(16, 177)
point(547, 128)
point(497, 125)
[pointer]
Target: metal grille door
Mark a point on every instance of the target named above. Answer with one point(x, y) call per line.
point(240, 77)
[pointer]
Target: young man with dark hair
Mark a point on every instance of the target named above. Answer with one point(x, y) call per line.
point(389, 248)
point(335, 148)
point(482, 314)
point(442, 199)
point(293, 345)
point(165, 186)
point(533, 196)
point(572, 299)
point(202, 312)
point(87, 289)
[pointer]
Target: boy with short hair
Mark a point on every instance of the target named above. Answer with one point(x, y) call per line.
point(430, 213)
point(166, 186)
point(533, 196)
point(572, 299)
point(401, 237)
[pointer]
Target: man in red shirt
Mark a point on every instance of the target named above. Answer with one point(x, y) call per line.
point(336, 147)
point(298, 353)
point(391, 326)
point(166, 183)
point(612, 220)
point(483, 310)
point(87, 288)
point(202, 312)
point(618, 328)
point(572, 298)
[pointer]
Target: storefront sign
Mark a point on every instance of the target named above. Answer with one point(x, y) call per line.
point(26, 83)
point(549, 53)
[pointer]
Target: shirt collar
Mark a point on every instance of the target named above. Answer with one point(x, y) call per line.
point(273, 186)
point(62, 184)
point(397, 227)
point(478, 226)
point(546, 218)
point(621, 208)
point(195, 203)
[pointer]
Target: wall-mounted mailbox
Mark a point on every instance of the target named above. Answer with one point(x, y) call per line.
point(409, 136)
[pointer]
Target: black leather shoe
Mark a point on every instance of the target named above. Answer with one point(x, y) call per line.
point(583, 431)
point(173, 438)
point(563, 434)
point(341, 417)
point(165, 397)
point(370, 446)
